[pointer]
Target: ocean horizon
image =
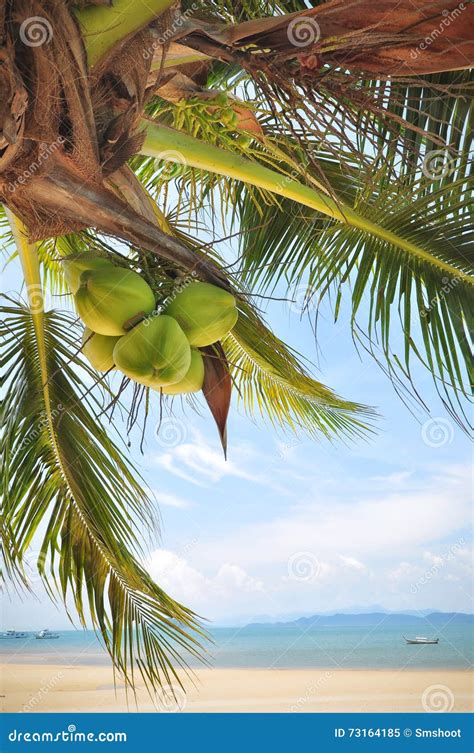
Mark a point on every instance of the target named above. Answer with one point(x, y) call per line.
point(279, 647)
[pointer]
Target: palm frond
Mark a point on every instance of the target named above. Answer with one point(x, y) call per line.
point(271, 381)
point(426, 231)
point(63, 472)
point(230, 13)
point(416, 116)
point(306, 405)
point(431, 305)
point(392, 119)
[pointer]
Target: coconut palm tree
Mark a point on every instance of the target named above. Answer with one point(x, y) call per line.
point(332, 142)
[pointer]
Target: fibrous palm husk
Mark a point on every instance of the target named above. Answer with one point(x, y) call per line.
point(64, 132)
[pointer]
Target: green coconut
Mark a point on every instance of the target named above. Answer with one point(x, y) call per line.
point(205, 312)
point(111, 301)
point(98, 349)
point(156, 352)
point(73, 268)
point(193, 380)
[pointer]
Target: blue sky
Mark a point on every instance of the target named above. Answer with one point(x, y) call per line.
point(289, 526)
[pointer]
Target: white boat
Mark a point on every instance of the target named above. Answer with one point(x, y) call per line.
point(46, 635)
point(420, 639)
point(13, 634)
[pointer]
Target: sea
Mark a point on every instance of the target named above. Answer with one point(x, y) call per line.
point(278, 647)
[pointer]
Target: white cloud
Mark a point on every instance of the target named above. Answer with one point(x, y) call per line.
point(393, 546)
point(170, 500)
point(465, 554)
point(433, 559)
point(167, 462)
point(394, 525)
point(403, 571)
point(234, 577)
point(352, 563)
point(175, 575)
point(202, 463)
point(392, 479)
point(212, 593)
point(396, 549)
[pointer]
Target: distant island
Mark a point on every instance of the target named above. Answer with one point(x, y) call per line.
point(373, 618)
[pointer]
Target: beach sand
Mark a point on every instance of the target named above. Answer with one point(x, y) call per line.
point(42, 688)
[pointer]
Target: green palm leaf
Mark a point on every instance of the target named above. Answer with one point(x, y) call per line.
point(271, 381)
point(264, 369)
point(431, 305)
point(63, 472)
point(394, 244)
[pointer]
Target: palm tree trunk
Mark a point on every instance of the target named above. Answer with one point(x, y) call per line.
point(106, 29)
point(49, 133)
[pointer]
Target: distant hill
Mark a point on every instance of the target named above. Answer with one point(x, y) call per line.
point(374, 618)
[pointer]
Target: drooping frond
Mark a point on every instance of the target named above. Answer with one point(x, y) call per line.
point(416, 117)
point(67, 483)
point(421, 236)
point(392, 123)
point(430, 297)
point(271, 381)
point(306, 405)
point(63, 473)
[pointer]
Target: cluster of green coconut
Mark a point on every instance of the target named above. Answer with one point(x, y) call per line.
point(125, 331)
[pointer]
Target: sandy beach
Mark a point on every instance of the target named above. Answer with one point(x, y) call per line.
point(42, 688)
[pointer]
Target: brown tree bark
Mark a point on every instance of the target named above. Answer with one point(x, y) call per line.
point(63, 134)
point(384, 37)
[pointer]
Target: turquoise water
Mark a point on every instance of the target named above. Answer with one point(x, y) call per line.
point(280, 647)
